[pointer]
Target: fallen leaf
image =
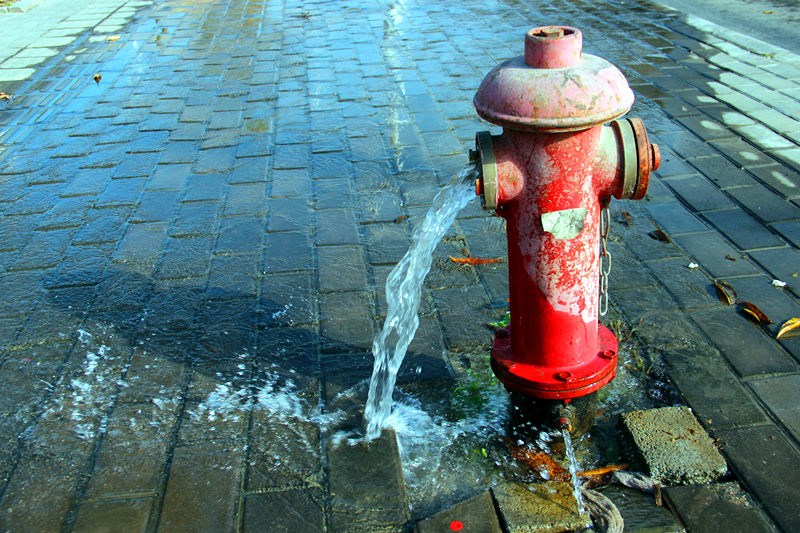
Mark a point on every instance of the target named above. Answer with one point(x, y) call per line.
point(4, 96)
point(768, 12)
point(97, 77)
point(722, 294)
point(659, 236)
point(729, 257)
point(400, 219)
point(473, 260)
point(789, 326)
point(753, 312)
point(627, 217)
point(112, 38)
point(603, 470)
point(539, 462)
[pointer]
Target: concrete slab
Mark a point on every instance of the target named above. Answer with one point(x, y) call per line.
point(539, 508)
point(673, 446)
point(476, 515)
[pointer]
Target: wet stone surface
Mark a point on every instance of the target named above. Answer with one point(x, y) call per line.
point(193, 252)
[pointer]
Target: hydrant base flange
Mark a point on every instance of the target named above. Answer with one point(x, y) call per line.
point(548, 382)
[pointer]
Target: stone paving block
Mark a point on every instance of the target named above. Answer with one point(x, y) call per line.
point(764, 204)
point(285, 511)
point(721, 172)
point(744, 346)
point(194, 219)
point(675, 219)
point(386, 243)
point(741, 152)
point(121, 192)
point(780, 178)
point(789, 231)
point(156, 206)
point(539, 507)
point(287, 298)
point(186, 257)
point(699, 193)
point(765, 464)
point(715, 255)
point(247, 199)
point(689, 287)
point(477, 515)
point(367, 490)
point(778, 394)
point(687, 145)
point(337, 227)
point(101, 516)
point(781, 263)
point(716, 508)
point(202, 490)
point(239, 234)
point(745, 232)
point(673, 446)
point(142, 245)
point(44, 250)
point(287, 251)
point(341, 268)
point(464, 314)
point(706, 128)
point(346, 321)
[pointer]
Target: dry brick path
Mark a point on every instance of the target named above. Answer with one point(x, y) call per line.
point(217, 216)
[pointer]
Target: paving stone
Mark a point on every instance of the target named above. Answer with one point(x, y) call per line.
point(789, 231)
point(539, 507)
point(674, 219)
point(742, 344)
point(763, 461)
point(286, 511)
point(722, 173)
point(689, 287)
point(781, 263)
point(719, 507)
point(367, 489)
point(246, 199)
point(202, 490)
point(780, 178)
point(777, 393)
point(477, 514)
point(341, 268)
point(745, 232)
point(699, 193)
point(96, 516)
point(764, 204)
point(705, 383)
point(714, 255)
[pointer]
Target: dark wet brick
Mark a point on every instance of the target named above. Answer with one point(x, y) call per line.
point(121, 192)
point(386, 243)
point(186, 257)
point(715, 255)
point(286, 251)
point(179, 152)
point(778, 394)
point(213, 501)
point(337, 227)
point(460, 310)
point(248, 199)
point(134, 513)
point(142, 244)
point(346, 322)
point(780, 178)
point(250, 170)
point(288, 510)
point(286, 299)
point(290, 156)
point(745, 232)
point(148, 141)
point(690, 287)
point(44, 250)
point(380, 206)
point(157, 206)
point(329, 166)
point(764, 462)
point(341, 268)
point(765, 204)
point(231, 274)
point(239, 234)
point(782, 263)
point(743, 344)
point(214, 160)
point(134, 165)
point(168, 177)
point(686, 145)
point(195, 218)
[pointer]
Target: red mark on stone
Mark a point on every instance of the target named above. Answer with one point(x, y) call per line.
point(455, 525)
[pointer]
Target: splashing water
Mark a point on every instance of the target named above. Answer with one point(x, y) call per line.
point(404, 291)
point(573, 470)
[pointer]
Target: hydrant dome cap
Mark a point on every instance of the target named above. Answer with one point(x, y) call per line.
point(515, 95)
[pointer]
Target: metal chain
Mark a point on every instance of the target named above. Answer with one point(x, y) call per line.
point(605, 260)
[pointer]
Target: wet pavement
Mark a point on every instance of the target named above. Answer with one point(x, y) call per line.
point(193, 247)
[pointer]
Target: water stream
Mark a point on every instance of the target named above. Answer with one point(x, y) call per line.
point(573, 469)
point(404, 291)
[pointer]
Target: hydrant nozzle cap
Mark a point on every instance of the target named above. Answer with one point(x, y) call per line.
point(553, 47)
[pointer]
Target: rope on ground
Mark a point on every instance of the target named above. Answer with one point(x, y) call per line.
point(605, 515)
point(633, 480)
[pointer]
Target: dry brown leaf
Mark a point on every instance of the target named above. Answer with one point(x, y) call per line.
point(400, 219)
point(97, 77)
point(768, 12)
point(722, 294)
point(627, 217)
point(659, 236)
point(539, 462)
point(789, 327)
point(603, 470)
point(751, 310)
point(112, 38)
point(473, 260)
point(4, 96)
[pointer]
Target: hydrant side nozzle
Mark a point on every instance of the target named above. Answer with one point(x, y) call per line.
point(486, 186)
point(637, 156)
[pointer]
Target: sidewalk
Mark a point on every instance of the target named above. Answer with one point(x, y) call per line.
point(193, 249)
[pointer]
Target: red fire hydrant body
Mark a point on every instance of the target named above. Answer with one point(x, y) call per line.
point(550, 173)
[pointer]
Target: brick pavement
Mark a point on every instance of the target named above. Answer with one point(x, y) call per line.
point(216, 217)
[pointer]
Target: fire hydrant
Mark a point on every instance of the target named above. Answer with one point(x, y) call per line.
point(551, 174)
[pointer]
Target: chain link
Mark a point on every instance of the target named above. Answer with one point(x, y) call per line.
point(605, 260)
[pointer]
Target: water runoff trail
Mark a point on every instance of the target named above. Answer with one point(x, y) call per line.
point(404, 291)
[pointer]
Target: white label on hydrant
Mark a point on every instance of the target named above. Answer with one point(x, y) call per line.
point(565, 224)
